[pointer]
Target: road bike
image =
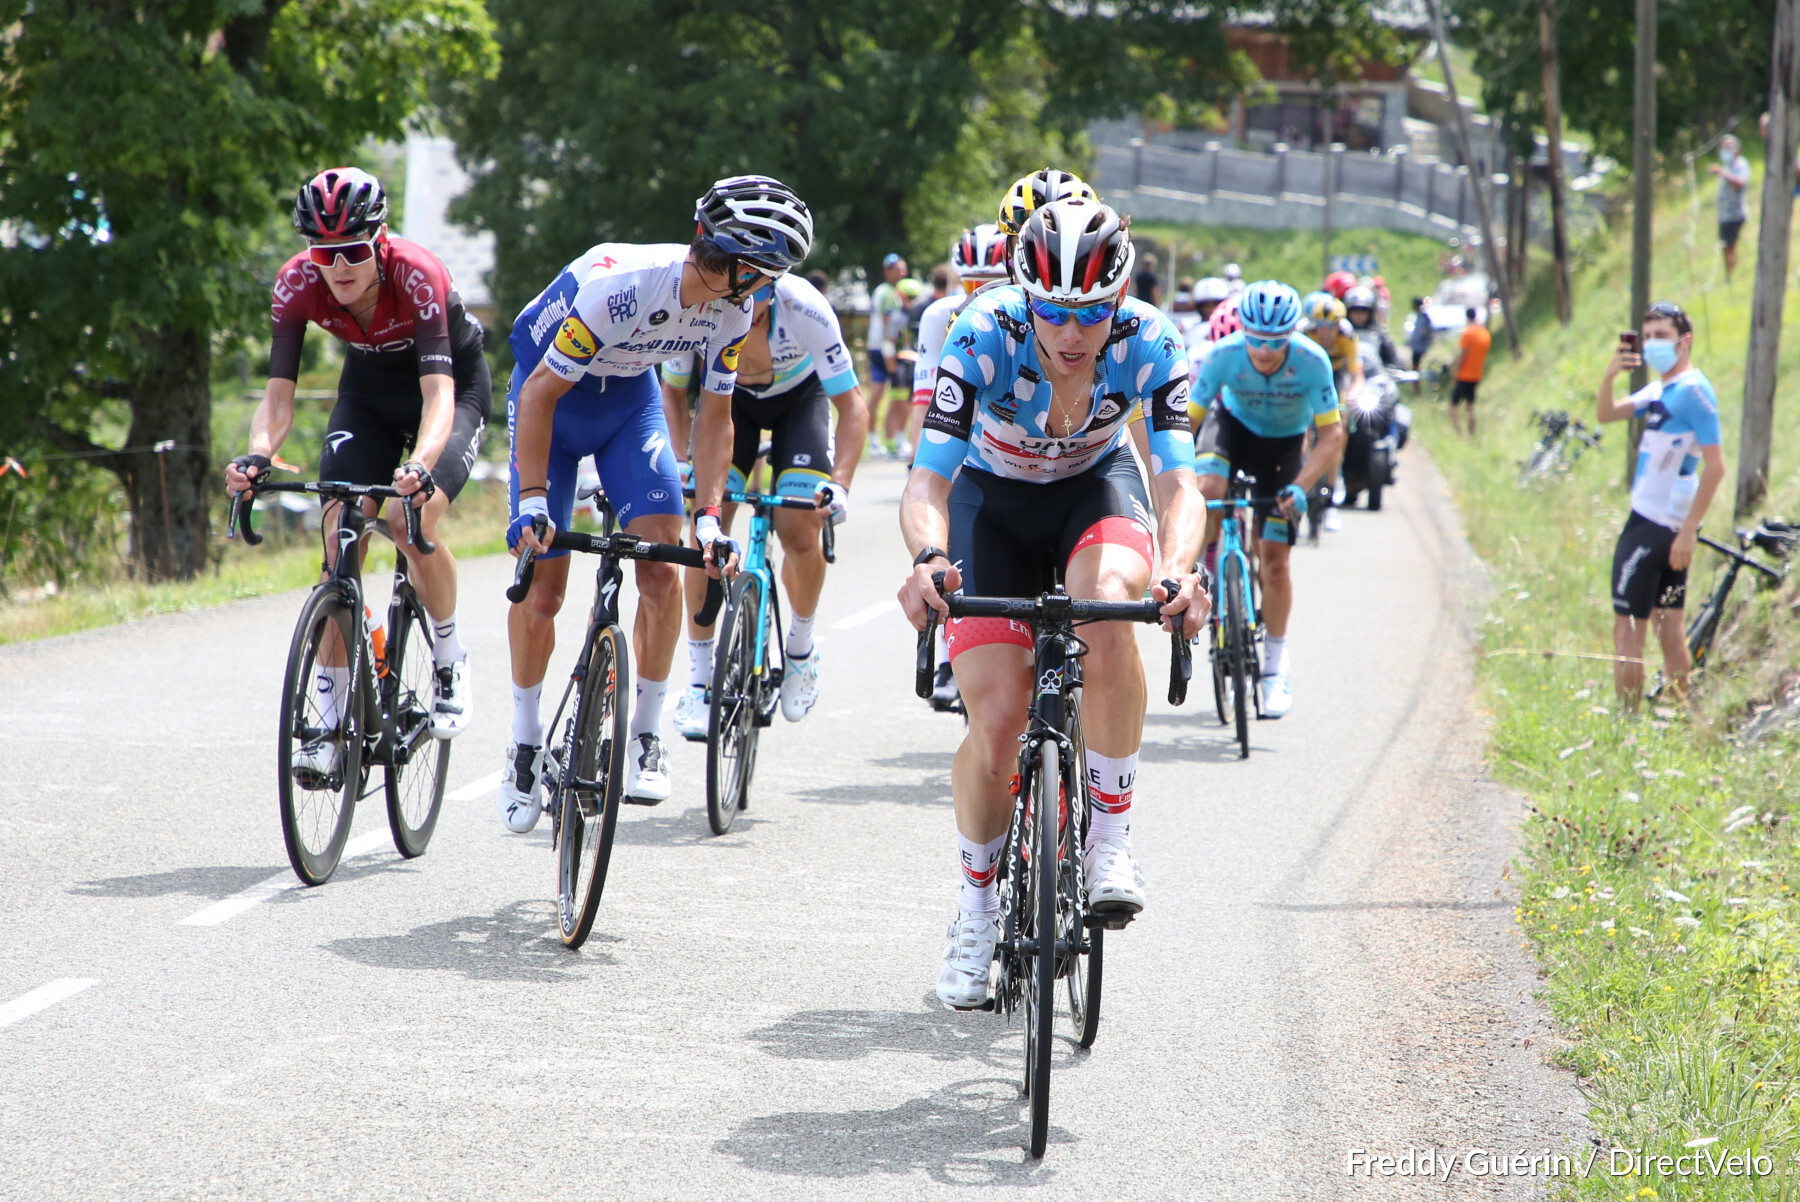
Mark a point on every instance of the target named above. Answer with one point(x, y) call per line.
point(584, 773)
point(386, 718)
point(1048, 933)
point(1234, 630)
point(749, 660)
point(1560, 443)
point(1771, 536)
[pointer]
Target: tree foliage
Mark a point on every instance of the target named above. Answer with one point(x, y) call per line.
point(1712, 64)
point(146, 152)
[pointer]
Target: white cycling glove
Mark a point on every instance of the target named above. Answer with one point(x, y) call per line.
point(837, 501)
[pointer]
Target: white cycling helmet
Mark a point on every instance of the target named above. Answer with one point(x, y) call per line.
point(1212, 288)
point(1074, 252)
point(757, 219)
point(980, 253)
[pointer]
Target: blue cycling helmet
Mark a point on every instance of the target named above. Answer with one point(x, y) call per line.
point(1269, 308)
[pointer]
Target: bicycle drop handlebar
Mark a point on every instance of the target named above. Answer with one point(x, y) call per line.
point(621, 546)
point(1749, 562)
point(1047, 609)
point(241, 503)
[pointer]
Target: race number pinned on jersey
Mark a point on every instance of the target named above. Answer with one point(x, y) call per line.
point(574, 341)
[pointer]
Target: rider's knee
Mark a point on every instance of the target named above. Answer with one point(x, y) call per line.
point(800, 535)
point(658, 582)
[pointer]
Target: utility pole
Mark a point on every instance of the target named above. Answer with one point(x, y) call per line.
point(1643, 197)
point(1757, 429)
point(1478, 177)
point(1559, 232)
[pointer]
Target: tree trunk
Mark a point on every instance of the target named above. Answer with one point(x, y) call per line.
point(1643, 200)
point(171, 403)
point(1559, 235)
point(1758, 424)
point(1524, 256)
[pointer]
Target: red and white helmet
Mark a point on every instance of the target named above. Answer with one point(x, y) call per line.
point(1074, 252)
point(340, 202)
point(980, 253)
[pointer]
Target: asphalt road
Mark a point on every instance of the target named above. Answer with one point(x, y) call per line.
point(1327, 961)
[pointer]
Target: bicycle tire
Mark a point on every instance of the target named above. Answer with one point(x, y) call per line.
point(1084, 973)
point(590, 785)
point(1237, 650)
point(1040, 965)
point(732, 723)
point(314, 826)
point(1700, 637)
point(419, 763)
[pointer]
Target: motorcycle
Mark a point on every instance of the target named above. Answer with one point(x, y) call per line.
point(1378, 424)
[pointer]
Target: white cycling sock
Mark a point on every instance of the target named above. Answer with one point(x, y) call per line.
point(978, 894)
point(1110, 782)
point(800, 640)
point(332, 686)
point(527, 722)
point(646, 712)
point(700, 662)
point(447, 647)
point(1275, 658)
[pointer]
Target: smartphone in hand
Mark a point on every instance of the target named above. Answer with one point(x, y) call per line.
point(1629, 340)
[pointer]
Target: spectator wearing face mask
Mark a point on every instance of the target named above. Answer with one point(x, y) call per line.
point(1733, 170)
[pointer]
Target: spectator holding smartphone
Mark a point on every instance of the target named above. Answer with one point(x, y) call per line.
point(1471, 363)
point(1733, 170)
point(1679, 467)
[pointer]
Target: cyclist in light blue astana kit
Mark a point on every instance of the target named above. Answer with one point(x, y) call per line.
point(587, 350)
point(1023, 468)
point(1262, 389)
point(794, 368)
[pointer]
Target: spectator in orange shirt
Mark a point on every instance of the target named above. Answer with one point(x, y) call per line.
point(1471, 362)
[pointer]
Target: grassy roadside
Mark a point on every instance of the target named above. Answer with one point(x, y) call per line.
point(1659, 867)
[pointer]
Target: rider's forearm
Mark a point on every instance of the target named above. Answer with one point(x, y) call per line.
point(1181, 523)
point(681, 422)
point(437, 417)
point(274, 418)
point(712, 448)
point(925, 511)
point(852, 433)
point(533, 425)
point(1324, 453)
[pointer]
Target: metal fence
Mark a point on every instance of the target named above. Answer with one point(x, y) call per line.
point(1287, 189)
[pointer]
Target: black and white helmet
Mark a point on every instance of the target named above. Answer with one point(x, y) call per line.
point(757, 219)
point(1074, 252)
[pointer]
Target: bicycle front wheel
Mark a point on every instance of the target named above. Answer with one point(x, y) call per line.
point(319, 755)
point(737, 688)
point(1040, 937)
point(1238, 652)
point(417, 763)
point(590, 783)
point(1083, 969)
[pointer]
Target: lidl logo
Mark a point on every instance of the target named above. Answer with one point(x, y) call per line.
point(575, 341)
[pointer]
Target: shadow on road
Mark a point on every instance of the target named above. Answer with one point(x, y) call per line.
point(1355, 906)
point(934, 790)
point(1221, 748)
point(517, 942)
point(209, 881)
point(968, 1133)
point(853, 1034)
point(681, 828)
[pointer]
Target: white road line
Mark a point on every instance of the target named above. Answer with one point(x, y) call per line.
point(476, 790)
point(42, 998)
point(865, 615)
point(262, 891)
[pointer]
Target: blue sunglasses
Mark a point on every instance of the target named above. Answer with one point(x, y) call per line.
point(1264, 344)
point(1087, 315)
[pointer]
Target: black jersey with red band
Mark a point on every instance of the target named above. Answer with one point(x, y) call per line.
point(411, 323)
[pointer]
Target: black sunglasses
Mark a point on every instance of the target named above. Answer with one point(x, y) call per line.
point(1670, 311)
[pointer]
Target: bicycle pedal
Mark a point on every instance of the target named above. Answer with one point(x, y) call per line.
point(990, 1006)
point(629, 800)
point(1112, 920)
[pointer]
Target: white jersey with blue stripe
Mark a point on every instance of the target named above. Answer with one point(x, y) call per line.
point(616, 311)
point(804, 339)
point(1681, 415)
point(990, 405)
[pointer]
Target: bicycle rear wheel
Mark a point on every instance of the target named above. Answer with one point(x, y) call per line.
point(1238, 653)
point(590, 782)
point(1082, 968)
point(418, 763)
point(1039, 933)
point(736, 701)
point(316, 809)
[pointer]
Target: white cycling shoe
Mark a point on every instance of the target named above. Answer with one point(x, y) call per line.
point(1332, 521)
point(692, 714)
point(1112, 879)
point(1277, 697)
point(969, 960)
point(800, 686)
point(647, 772)
point(318, 760)
point(522, 787)
point(455, 703)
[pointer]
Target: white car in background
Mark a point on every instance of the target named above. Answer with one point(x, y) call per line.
point(1447, 306)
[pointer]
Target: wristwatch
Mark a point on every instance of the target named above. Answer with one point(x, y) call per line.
point(927, 554)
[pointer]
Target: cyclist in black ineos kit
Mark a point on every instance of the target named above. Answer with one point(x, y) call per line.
point(412, 403)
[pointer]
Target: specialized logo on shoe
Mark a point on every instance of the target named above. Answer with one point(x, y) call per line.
point(338, 439)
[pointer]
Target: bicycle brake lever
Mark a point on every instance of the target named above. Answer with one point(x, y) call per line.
point(527, 566)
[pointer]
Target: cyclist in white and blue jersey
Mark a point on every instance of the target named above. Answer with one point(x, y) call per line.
point(793, 369)
point(585, 383)
point(1022, 475)
point(1679, 467)
point(1263, 388)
